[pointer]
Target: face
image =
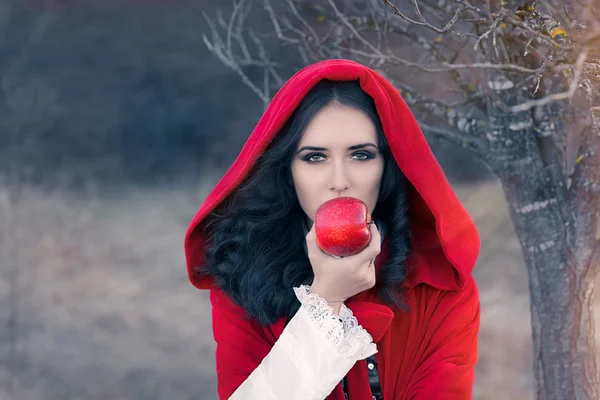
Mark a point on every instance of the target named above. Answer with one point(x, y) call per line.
point(337, 156)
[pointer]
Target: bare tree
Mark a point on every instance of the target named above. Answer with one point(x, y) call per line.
point(519, 91)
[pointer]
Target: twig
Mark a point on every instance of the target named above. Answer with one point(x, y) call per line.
point(557, 96)
point(276, 25)
point(476, 146)
point(225, 54)
point(443, 67)
point(304, 23)
point(237, 8)
point(423, 22)
point(353, 29)
point(470, 7)
point(511, 20)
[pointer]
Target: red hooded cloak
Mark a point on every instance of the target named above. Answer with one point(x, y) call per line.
point(428, 352)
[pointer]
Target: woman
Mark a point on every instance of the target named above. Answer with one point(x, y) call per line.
point(292, 322)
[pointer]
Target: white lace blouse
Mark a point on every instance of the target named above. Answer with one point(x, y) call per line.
point(314, 352)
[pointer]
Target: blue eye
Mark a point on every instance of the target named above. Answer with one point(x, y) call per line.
point(313, 157)
point(363, 155)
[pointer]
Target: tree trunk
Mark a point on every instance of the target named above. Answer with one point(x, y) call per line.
point(561, 261)
point(556, 227)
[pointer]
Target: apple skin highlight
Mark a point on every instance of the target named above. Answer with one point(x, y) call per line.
point(342, 226)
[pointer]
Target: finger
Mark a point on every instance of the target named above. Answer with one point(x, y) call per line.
point(375, 235)
point(375, 244)
point(311, 239)
point(311, 244)
point(367, 265)
point(368, 273)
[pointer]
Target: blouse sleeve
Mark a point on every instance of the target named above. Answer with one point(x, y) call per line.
point(314, 352)
point(446, 371)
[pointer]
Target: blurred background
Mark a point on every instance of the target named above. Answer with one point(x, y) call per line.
point(115, 123)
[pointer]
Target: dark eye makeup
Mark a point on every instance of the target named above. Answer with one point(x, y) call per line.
point(314, 158)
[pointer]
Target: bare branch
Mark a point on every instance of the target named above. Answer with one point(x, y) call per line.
point(353, 30)
point(311, 31)
point(236, 9)
point(276, 25)
point(486, 34)
point(470, 7)
point(343, 25)
point(557, 96)
point(476, 146)
point(423, 22)
point(548, 40)
point(444, 67)
point(225, 53)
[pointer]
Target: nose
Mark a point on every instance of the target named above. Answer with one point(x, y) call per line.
point(339, 178)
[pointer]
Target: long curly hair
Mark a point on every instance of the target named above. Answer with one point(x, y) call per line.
point(255, 239)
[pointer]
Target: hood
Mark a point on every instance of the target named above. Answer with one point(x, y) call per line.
point(444, 244)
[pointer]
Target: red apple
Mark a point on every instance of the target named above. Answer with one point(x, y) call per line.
point(342, 226)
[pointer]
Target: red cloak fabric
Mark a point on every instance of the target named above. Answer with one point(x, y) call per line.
point(428, 352)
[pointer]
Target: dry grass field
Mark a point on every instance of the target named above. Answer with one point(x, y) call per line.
point(96, 302)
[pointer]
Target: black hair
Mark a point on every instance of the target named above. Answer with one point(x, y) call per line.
point(255, 240)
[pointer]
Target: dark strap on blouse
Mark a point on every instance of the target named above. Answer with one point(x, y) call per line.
point(373, 372)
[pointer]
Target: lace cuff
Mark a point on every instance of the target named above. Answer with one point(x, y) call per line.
point(343, 331)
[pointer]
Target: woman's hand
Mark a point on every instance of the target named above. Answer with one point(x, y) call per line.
point(337, 279)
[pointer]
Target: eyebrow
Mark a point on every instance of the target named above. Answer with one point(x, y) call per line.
point(355, 147)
